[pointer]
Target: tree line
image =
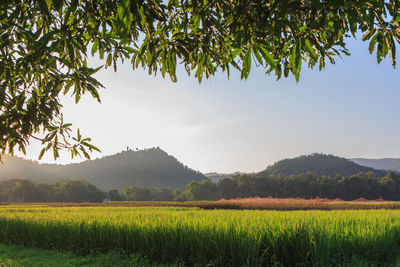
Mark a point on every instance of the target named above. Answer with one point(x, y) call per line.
point(67, 190)
point(306, 185)
point(23, 190)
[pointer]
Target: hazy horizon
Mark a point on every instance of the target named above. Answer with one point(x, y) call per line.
point(231, 125)
point(204, 172)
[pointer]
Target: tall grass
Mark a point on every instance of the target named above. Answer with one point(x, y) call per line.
point(218, 237)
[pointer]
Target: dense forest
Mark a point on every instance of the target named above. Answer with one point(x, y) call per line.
point(22, 190)
point(149, 167)
point(308, 185)
point(320, 164)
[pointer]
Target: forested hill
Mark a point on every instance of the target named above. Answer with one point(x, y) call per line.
point(151, 167)
point(389, 164)
point(320, 164)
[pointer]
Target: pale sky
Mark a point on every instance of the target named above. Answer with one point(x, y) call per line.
point(350, 109)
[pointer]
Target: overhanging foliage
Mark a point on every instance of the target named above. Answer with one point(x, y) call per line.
point(44, 48)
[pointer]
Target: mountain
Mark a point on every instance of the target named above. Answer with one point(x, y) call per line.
point(389, 164)
point(151, 167)
point(320, 164)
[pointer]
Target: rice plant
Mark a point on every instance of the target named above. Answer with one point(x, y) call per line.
point(215, 237)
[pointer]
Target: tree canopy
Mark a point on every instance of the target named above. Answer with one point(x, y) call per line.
point(45, 44)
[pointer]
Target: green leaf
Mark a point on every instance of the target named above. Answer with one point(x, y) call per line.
point(247, 62)
point(42, 153)
point(258, 56)
point(124, 17)
point(95, 47)
point(49, 3)
point(84, 152)
point(310, 49)
point(236, 52)
point(94, 92)
point(109, 59)
point(22, 148)
point(55, 152)
point(268, 57)
point(392, 48)
point(368, 34)
point(353, 21)
point(372, 43)
point(79, 135)
point(379, 55)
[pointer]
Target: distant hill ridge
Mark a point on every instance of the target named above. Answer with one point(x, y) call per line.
point(155, 168)
point(390, 164)
point(320, 164)
point(150, 167)
point(215, 176)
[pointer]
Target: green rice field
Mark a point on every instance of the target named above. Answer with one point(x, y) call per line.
point(195, 236)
